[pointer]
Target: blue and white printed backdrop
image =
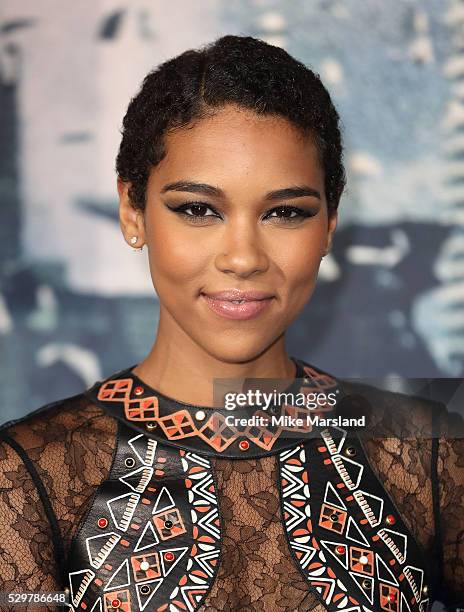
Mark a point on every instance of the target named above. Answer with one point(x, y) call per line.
point(76, 303)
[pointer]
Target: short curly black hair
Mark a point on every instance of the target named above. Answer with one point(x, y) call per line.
point(232, 70)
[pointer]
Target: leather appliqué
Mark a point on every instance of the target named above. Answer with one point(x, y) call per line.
point(135, 409)
point(151, 539)
point(138, 404)
point(338, 523)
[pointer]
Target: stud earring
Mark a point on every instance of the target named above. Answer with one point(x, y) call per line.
point(133, 241)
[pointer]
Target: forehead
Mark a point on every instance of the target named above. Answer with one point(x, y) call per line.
point(237, 144)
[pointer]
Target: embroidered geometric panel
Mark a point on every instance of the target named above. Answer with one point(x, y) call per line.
point(343, 529)
point(141, 406)
point(145, 539)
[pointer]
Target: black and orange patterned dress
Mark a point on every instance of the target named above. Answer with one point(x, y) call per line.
point(133, 501)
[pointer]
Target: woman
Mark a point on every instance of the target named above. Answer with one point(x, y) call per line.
point(141, 494)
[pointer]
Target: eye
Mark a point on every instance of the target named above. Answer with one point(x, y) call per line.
point(289, 214)
point(199, 210)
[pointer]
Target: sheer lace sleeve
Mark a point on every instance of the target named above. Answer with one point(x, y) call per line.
point(68, 446)
point(424, 476)
point(449, 511)
point(27, 560)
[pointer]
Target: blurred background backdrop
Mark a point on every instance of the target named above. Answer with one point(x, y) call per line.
point(76, 303)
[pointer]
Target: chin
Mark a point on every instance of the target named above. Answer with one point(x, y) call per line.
point(240, 351)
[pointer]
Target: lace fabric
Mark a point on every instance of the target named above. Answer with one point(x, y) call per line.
point(451, 491)
point(71, 445)
point(257, 571)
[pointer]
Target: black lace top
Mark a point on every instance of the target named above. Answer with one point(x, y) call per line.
point(54, 460)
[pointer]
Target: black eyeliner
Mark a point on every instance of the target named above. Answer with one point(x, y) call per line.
point(302, 213)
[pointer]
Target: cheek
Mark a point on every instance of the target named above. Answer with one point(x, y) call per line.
point(174, 260)
point(299, 259)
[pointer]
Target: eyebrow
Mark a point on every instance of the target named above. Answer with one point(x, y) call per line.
point(299, 191)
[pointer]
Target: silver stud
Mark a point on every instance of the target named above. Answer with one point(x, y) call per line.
point(366, 584)
point(144, 566)
point(334, 518)
point(134, 239)
point(150, 425)
point(425, 589)
point(129, 462)
point(200, 415)
point(144, 589)
point(350, 451)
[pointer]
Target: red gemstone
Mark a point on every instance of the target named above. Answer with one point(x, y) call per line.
point(169, 556)
point(340, 550)
point(102, 522)
point(138, 390)
point(115, 603)
point(244, 445)
point(391, 520)
point(392, 597)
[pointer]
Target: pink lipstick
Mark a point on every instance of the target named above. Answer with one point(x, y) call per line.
point(236, 304)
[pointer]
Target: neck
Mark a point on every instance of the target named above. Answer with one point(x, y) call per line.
point(185, 371)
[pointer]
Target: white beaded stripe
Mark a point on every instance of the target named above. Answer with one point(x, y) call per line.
point(129, 511)
point(367, 510)
point(343, 472)
point(391, 545)
point(329, 441)
point(83, 587)
point(144, 480)
point(105, 551)
point(407, 572)
point(150, 453)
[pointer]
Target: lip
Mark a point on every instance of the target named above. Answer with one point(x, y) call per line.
point(253, 303)
point(238, 294)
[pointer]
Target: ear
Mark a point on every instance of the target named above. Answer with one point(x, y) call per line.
point(333, 218)
point(131, 219)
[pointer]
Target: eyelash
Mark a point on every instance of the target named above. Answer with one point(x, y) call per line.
point(180, 210)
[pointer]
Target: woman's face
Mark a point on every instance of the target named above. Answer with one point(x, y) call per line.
point(214, 222)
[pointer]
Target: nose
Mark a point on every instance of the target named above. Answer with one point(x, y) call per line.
point(241, 251)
